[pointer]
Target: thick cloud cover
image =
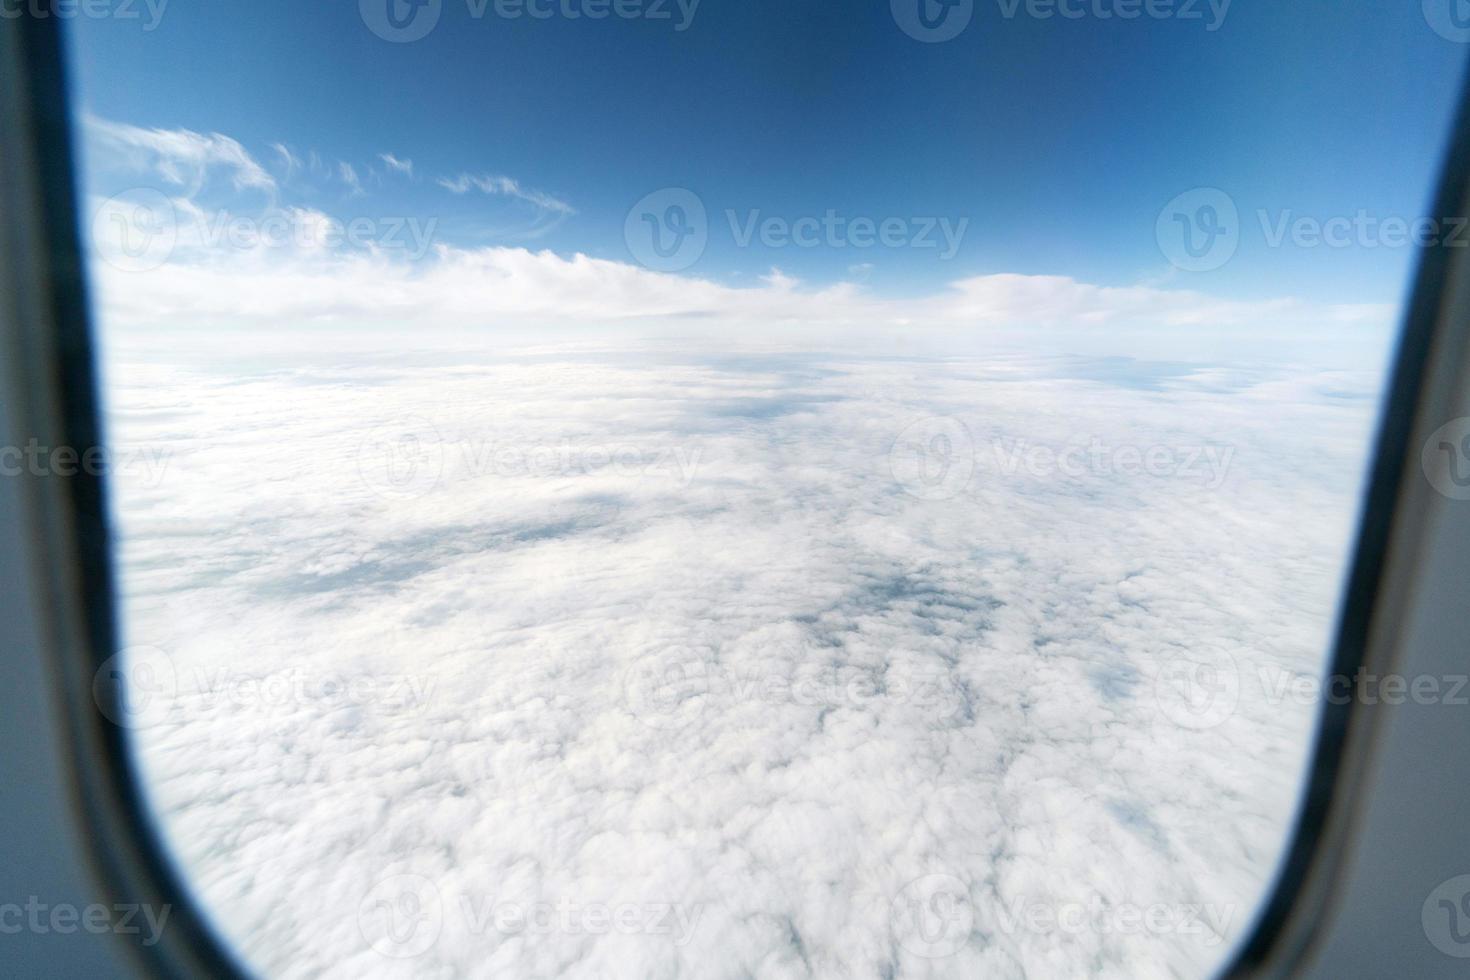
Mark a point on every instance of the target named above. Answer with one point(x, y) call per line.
point(572, 662)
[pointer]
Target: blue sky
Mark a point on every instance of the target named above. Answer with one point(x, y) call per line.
point(1059, 140)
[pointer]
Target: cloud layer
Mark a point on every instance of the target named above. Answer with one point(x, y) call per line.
point(726, 662)
point(225, 243)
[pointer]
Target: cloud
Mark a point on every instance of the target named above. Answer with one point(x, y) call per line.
point(483, 287)
point(180, 156)
point(348, 175)
point(393, 163)
point(756, 647)
point(289, 160)
point(505, 187)
point(801, 663)
point(401, 270)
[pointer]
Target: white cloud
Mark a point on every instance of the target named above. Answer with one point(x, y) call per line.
point(348, 175)
point(855, 683)
point(180, 156)
point(505, 187)
point(756, 635)
point(290, 162)
point(509, 286)
point(408, 274)
point(393, 163)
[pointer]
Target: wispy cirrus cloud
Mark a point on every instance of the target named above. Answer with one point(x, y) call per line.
point(348, 175)
point(396, 165)
point(290, 162)
point(505, 187)
point(180, 156)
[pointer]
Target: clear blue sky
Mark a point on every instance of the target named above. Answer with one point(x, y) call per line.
point(1060, 140)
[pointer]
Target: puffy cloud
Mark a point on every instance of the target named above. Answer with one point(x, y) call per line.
point(725, 661)
point(505, 292)
point(389, 269)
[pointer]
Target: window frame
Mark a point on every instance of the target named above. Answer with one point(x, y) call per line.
point(45, 337)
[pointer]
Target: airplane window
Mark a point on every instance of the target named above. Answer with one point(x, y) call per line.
point(662, 488)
